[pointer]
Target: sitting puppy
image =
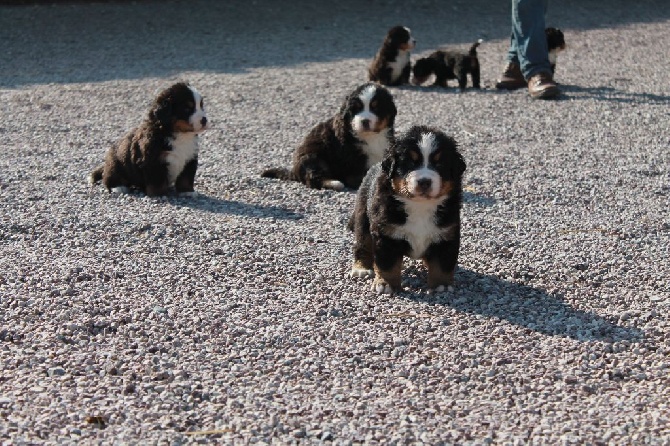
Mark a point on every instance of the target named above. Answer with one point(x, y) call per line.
point(391, 65)
point(409, 205)
point(338, 152)
point(448, 64)
point(555, 44)
point(161, 152)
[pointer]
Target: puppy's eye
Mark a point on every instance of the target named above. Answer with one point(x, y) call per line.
point(189, 106)
point(373, 104)
point(414, 155)
point(436, 156)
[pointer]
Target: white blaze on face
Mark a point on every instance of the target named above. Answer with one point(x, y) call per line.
point(196, 119)
point(424, 175)
point(366, 97)
point(412, 41)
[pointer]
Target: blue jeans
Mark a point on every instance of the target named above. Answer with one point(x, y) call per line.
point(528, 45)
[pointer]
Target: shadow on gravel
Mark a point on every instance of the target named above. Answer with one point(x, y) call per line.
point(525, 306)
point(81, 41)
point(220, 206)
point(612, 94)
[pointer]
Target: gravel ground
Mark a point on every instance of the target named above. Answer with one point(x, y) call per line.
point(228, 318)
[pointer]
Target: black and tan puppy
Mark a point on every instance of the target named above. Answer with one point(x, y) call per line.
point(391, 65)
point(449, 64)
point(409, 205)
point(338, 152)
point(555, 44)
point(163, 151)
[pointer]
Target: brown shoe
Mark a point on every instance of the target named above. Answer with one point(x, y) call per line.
point(542, 86)
point(512, 78)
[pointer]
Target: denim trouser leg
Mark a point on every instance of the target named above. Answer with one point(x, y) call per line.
point(528, 44)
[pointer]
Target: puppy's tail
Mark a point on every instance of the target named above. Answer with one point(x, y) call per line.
point(96, 176)
point(280, 173)
point(473, 48)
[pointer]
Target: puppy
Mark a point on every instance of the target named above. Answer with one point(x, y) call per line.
point(163, 151)
point(391, 65)
point(338, 152)
point(449, 64)
point(555, 44)
point(409, 205)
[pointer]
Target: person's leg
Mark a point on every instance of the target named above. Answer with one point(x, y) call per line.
point(513, 52)
point(512, 78)
point(529, 37)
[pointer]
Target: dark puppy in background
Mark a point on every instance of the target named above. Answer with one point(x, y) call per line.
point(338, 152)
point(409, 205)
point(391, 65)
point(555, 44)
point(163, 151)
point(449, 64)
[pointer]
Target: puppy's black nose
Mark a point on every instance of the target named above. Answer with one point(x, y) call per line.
point(365, 123)
point(424, 184)
point(203, 121)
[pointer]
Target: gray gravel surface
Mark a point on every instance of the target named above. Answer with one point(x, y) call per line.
point(229, 318)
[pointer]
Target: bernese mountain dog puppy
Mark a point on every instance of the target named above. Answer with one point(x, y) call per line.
point(409, 205)
point(163, 151)
point(338, 152)
point(555, 44)
point(391, 65)
point(449, 64)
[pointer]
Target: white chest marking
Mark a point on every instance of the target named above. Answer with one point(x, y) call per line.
point(401, 60)
point(420, 229)
point(374, 146)
point(553, 56)
point(184, 149)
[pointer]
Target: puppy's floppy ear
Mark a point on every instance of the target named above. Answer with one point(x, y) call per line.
point(389, 161)
point(342, 121)
point(161, 112)
point(458, 166)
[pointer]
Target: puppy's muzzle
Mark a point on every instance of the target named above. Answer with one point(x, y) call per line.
point(424, 186)
point(365, 124)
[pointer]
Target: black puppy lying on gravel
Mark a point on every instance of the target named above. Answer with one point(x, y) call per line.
point(409, 205)
point(338, 152)
point(163, 151)
point(449, 64)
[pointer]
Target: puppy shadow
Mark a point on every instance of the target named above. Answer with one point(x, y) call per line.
point(529, 307)
point(207, 203)
point(611, 94)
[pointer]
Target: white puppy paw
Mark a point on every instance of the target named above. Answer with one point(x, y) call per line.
point(361, 272)
point(381, 287)
point(120, 190)
point(333, 184)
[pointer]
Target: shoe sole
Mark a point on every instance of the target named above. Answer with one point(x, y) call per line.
point(549, 93)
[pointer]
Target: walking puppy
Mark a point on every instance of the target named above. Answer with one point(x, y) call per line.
point(449, 64)
point(163, 151)
point(555, 44)
point(338, 152)
point(391, 65)
point(409, 205)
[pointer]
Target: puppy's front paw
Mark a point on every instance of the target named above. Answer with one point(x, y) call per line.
point(333, 184)
point(120, 190)
point(358, 271)
point(380, 286)
point(442, 289)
